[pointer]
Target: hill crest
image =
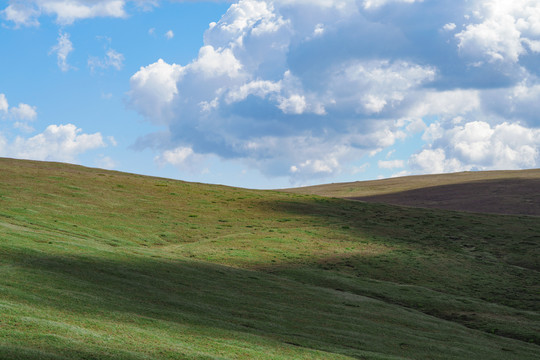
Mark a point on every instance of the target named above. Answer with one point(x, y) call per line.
point(514, 192)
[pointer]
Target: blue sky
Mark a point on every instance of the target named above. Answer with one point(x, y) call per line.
point(270, 94)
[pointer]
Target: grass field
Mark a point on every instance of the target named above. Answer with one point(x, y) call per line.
point(97, 264)
point(407, 183)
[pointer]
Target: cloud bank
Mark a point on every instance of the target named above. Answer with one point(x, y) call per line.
point(304, 88)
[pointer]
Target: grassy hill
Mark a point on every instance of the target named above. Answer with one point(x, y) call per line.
point(502, 192)
point(97, 264)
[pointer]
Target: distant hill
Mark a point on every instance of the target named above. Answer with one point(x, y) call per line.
point(501, 192)
point(98, 264)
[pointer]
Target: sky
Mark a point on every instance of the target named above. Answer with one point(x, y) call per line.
point(272, 93)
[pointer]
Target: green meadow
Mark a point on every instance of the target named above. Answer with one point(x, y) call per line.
point(98, 264)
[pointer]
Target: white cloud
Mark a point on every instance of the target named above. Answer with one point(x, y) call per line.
point(434, 161)
point(62, 50)
point(340, 4)
point(176, 156)
point(22, 14)
point(244, 59)
point(153, 89)
point(478, 145)
point(112, 59)
point(183, 158)
point(375, 85)
point(259, 88)
point(67, 11)
point(445, 103)
point(23, 126)
point(216, 62)
point(373, 4)
point(56, 143)
point(295, 104)
point(449, 27)
point(26, 13)
point(23, 112)
point(306, 95)
point(415, 126)
point(506, 30)
point(169, 34)
point(4, 106)
point(319, 30)
point(391, 164)
point(105, 162)
point(321, 163)
point(246, 18)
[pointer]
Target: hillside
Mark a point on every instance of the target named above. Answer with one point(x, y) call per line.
point(98, 264)
point(499, 192)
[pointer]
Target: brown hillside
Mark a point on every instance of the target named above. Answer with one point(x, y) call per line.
point(501, 192)
point(505, 196)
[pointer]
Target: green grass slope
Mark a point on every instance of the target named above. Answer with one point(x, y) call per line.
point(105, 265)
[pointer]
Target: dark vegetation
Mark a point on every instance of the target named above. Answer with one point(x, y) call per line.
point(501, 196)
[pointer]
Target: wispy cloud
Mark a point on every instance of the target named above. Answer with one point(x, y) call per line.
point(112, 59)
point(62, 49)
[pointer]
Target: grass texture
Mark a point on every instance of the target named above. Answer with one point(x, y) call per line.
point(97, 264)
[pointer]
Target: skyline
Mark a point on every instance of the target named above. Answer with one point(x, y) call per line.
point(271, 94)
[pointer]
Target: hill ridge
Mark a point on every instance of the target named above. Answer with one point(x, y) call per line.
point(512, 192)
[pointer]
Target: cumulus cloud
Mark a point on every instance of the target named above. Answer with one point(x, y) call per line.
point(169, 34)
point(218, 62)
point(477, 145)
point(153, 89)
point(303, 88)
point(505, 30)
point(183, 158)
point(22, 113)
point(238, 98)
point(376, 85)
point(62, 50)
point(449, 27)
point(56, 143)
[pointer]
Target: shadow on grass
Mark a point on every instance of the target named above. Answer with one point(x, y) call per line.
point(500, 196)
point(199, 294)
point(510, 240)
point(459, 266)
point(215, 297)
